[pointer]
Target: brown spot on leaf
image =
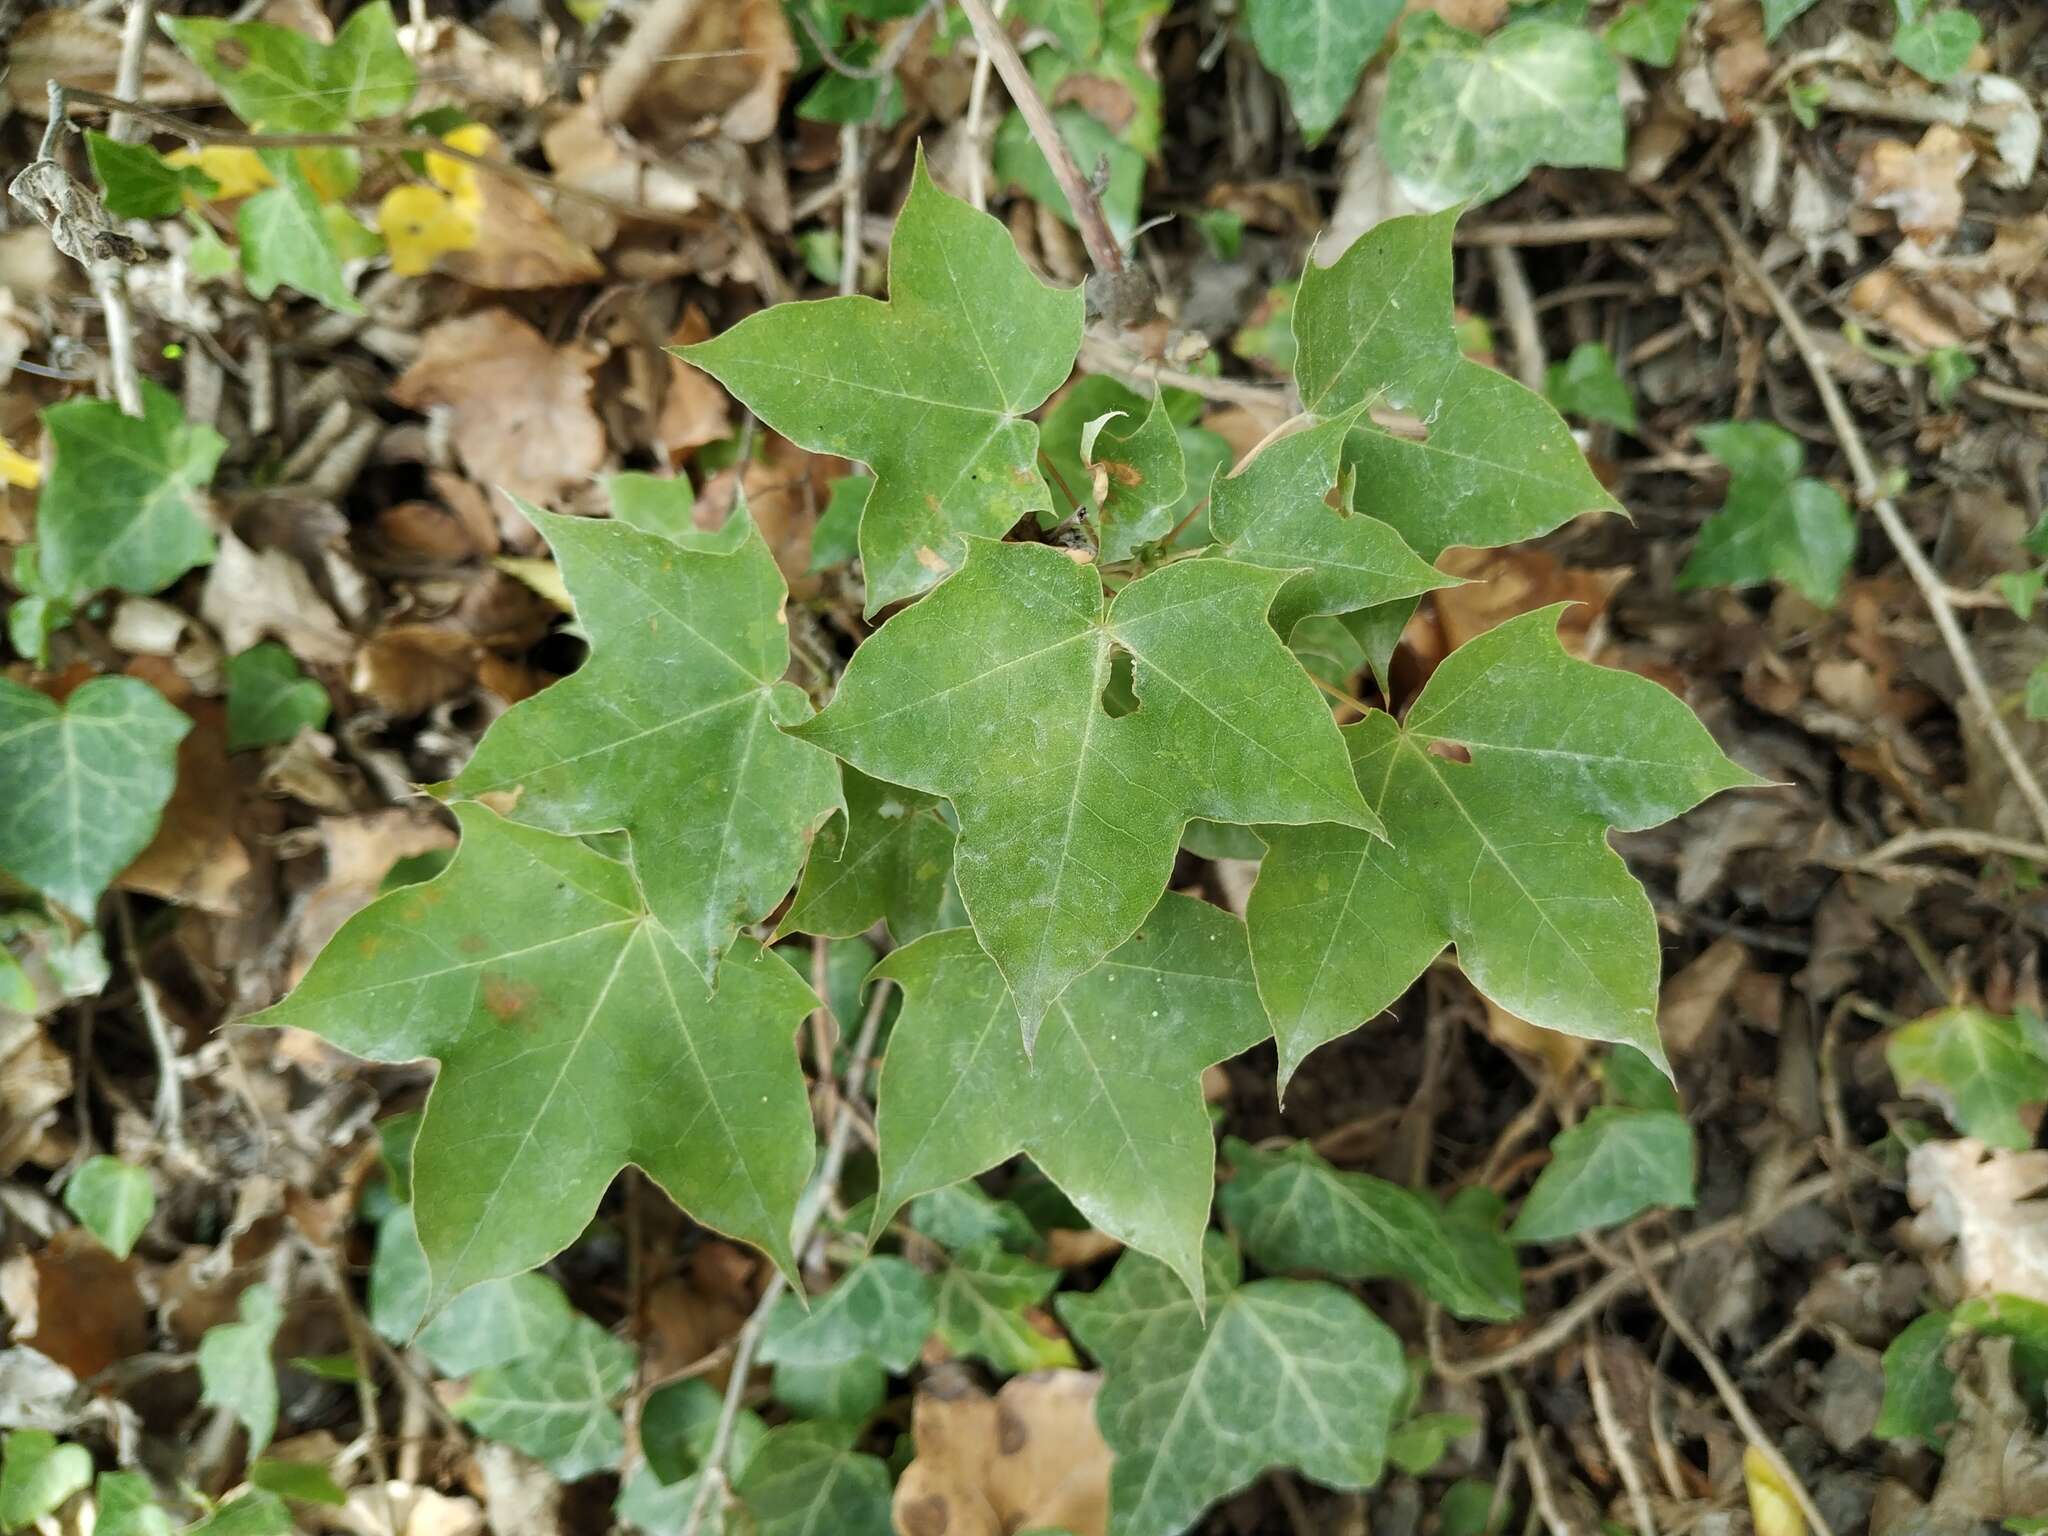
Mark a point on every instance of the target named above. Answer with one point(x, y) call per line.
point(368, 945)
point(932, 560)
point(1012, 1433)
point(507, 1000)
point(925, 1517)
point(231, 53)
point(473, 944)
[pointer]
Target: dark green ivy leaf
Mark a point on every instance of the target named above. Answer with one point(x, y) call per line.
point(1612, 1165)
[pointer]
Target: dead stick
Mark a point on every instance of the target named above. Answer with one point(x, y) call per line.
point(637, 58)
point(1869, 487)
point(996, 45)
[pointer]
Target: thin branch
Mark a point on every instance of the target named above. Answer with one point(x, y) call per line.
point(885, 62)
point(1620, 1440)
point(1871, 490)
point(1951, 839)
point(170, 1091)
point(1543, 1494)
point(712, 1477)
point(385, 143)
point(1518, 308)
point(634, 62)
point(977, 102)
point(1599, 226)
point(135, 33)
point(1081, 196)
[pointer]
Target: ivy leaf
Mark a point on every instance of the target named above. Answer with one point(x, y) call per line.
point(1109, 1106)
point(1979, 1066)
point(271, 77)
point(1650, 31)
point(881, 1309)
point(114, 1200)
point(1505, 856)
point(121, 506)
point(1775, 522)
point(1287, 1373)
point(806, 1478)
point(669, 732)
point(1423, 1441)
point(1275, 513)
point(1607, 1168)
point(37, 1474)
point(139, 183)
point(1137, 475)
point(574, 1038)
point(851, 1393)
point(989, 692)
point(963, 1216)
point(286, 241)
point(1498, 465)
point(1934, 44)
point(929, 390)
point(557, 1407)
point(235, 1369)
point(495, 1323)
point(980, 1303)
point(679, 1426)
point(1919, 1388)
point(1296, 1212)
point(124, 1505)
point(252, 1514)
point(1587, 384)
point(887, 857)
point(83, 783)
point(269, 698)
point(1467, 117)
point(1319, 48)
point(368, 65)
point(1779, 14)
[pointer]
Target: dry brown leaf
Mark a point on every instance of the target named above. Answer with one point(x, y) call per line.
point(518, 244)
point(75, 1302)
point(1503, 583)
point(687, 1317)
point(35, 1078)
point(407, 1510)
point(84, 51)
point(695, 408)
point(462, 68)
point(409, 668)
point(1472, 15)
point(587, 153)
point(1988, 1201)
point(360, 853)
point(1559, 1055)
point(252, 595)
point(1030, 1456)
point(725, 72)
point(196, 858)
point(1920, 185)
point(1693, 1000)
point(521, 407)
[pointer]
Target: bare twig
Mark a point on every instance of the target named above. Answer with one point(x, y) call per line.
point(712, 1478)
point(1870, 489)
point(1950, 839)
point(1600, 226)
point(1540, 1488)
point(1620, 1440)
point(135, 31)
point(853, 206)
point(637, 58)
point(885, 62)
point(170, 1090)
point(977, 102)
point(1081, 196)
point(1724, 1384)
point(1518, 308)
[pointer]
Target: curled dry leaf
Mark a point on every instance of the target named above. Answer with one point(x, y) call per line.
point(518, 243)
point(725, 72)
point(1920, 185)
point(35, 1078)
point(1027, 1458)
point(76, 1303)
point(521, 412)
point(83, 51)
point(1505, 583)
point(1989, 1202)
point(253, 595)
point(196, 859)
point(360, 852)
point(409, 668)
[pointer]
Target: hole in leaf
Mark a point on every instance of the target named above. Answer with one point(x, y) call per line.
point(1120, 689)
point(1450, 751)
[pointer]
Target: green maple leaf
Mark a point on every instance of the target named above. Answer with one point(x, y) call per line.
point(287, 242)
point(669, 732)
point(235, 1369)
point(113, 1199)
point(1505, 856)
point(1275, 512)
point(1110, 1103)
point(930, 390)
point(1319, 48)
point(980, 1301)
point(881, 1309)
point(1980, 1067)
point(83, 783)
point(269, 698)
point(1296, 1213)
point(1286, 1373)
point(121, 506)
point(1775, 521)
point(990, 692)
point(1467, 117)
point(557, 1407)
point(574, 1037)
point(1498, 464)
point(1138, 463)
point(1919, 1388)
point(1612, 1165)
point(888, 857)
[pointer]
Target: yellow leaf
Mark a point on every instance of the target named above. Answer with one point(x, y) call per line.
point(237, 171)
point(543, 576)
point(17, 468)
point(1772, 1509)
point(454, 177)
point(421, 225)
